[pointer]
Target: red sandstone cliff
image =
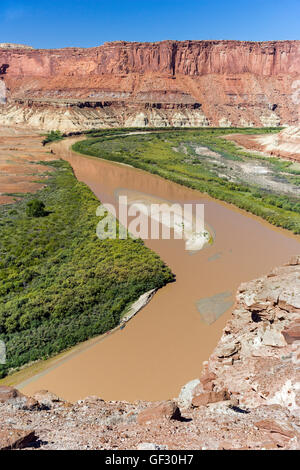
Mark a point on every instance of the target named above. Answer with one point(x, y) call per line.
point(166, 83)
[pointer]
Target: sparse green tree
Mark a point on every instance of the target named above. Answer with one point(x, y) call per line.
point(35, 208)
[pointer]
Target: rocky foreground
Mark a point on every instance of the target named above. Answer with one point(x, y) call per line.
point(247, 396)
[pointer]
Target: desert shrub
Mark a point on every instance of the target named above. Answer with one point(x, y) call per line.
point(53, 136)
point(35, 208)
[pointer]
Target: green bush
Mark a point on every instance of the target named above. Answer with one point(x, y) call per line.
point(53, 136)
point(35, 208)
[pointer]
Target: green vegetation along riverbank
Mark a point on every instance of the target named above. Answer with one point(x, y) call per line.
point(60, 284)
point(201, 159)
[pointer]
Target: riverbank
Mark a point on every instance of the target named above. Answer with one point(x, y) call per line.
point(60, 284)
point(22, 377)
point(237, 402)
point(21, 163)
point(206, 161)
point(165, 344)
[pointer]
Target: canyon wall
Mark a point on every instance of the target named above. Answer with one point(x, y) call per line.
point(188, 83)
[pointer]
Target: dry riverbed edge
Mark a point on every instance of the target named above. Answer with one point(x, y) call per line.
point(247, 396)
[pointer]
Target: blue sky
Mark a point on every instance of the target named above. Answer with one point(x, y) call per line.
point(86, 23)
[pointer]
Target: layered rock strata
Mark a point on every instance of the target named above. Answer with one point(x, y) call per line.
point(169, 83)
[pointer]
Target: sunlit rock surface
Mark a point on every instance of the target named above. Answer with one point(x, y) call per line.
point(168, 83)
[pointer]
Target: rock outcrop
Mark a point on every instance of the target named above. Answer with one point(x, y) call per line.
point(169, 83)
point(165, 410)
point(246, 397)
point(257, 359)
point(16, 439)
point(16, 399)
point(285, 144)
point(10, 45)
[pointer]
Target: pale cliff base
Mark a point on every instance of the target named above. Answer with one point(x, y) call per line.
point(77, 119)
point(285, 144)
point(247, 397)
point(84, 116)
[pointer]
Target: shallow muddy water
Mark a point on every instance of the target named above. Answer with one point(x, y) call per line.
point(164, 345)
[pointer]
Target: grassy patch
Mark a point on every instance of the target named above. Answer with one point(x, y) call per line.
point(60, 284)
point(171, 154)
point(53, 136)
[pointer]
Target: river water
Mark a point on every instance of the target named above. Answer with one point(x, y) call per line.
point(165, 344)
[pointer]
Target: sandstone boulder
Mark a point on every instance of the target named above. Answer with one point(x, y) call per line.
point(273, 337)
point(275, 427)
point(292, 333)
point(46, 398)
point(8, 393)
point(187, 393)
point(164, 410)
point(15, 398)
point(206, 379)
point(279, 433)
point(209, 397)
point(16, 438)
point(227, 348)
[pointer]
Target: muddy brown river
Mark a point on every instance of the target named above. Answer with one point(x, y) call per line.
point(165, 344)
